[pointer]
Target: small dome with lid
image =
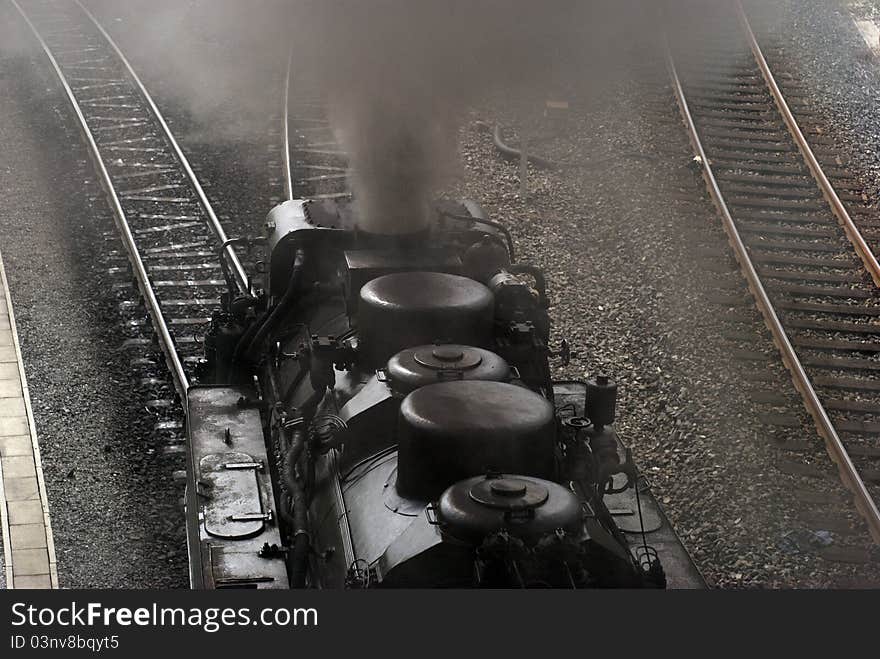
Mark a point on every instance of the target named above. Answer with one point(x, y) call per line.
point(526, 507)
point(417, 367)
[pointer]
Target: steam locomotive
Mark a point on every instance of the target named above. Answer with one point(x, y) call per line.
point(382, 414)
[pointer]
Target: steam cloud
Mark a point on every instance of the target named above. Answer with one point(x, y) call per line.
point(397, 76)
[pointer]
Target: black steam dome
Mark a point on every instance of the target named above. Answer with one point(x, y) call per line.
point(423, 365)
point(526, 507)
point(455, 430)
point(407, 309)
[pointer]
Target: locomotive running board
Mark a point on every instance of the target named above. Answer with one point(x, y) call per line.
point(681, 571)
point(230, 503)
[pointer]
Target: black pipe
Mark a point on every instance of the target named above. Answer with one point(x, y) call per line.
point(295, 502)
point(231, 282)
point(482, 220)
point(509, 153)
point(296, 493)
point(256, 334)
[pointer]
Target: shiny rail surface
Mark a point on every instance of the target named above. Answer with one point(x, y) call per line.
point(287, 172)
point(804, 270)
point(140, 271)
point(314, 164)
point(171, 234)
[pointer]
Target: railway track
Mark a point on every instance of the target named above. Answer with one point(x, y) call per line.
point(171, 236)
point(809, 267)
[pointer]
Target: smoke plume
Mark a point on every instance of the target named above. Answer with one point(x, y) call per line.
point(397, 76)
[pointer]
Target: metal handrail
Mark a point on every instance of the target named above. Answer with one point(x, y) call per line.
point(173, 360)
point(837, 207)
point(238, 270)
point(285, 133)
point(836, 449)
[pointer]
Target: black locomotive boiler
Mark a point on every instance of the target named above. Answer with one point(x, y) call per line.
point(382, 414)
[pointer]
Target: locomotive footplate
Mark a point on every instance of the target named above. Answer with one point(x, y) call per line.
point(230, 501)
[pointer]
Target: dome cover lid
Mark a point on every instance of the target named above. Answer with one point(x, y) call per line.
point(416, 367)
point(526, 507)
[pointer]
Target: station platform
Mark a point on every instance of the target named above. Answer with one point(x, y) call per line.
point(28, 552)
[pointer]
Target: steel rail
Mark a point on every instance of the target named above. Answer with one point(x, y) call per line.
point(852, 232)
point(285, 133)
point(238, 270)
point(175, 365)
point(848, 473)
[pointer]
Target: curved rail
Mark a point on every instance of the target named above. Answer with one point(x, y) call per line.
point(837, 207)
point(836, 449)
point(175, 365)
point(285, 134)
point(321, 166)
point(238, 270)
